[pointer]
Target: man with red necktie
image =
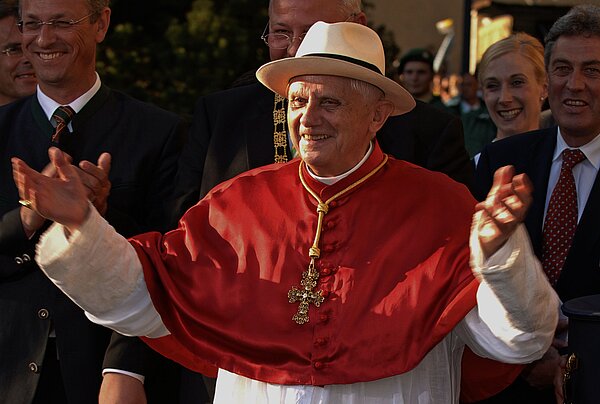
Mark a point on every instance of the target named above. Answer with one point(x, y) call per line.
point(562, 163)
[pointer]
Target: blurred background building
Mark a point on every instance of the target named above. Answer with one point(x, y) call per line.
point(474, 24)
point(459, 31)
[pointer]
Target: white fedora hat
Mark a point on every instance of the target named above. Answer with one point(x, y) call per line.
point(344, 49)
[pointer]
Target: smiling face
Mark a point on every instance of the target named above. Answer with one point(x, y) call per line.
point(513, 94)
point(16, 74)
point(331, 123)
point(574, 87)
point(64, 59)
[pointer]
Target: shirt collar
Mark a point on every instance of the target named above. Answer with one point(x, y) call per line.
point(49, 105)
point(333, 180)
point(590, 149)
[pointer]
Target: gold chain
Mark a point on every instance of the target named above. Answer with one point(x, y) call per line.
point(279, 132)
point(307, 295)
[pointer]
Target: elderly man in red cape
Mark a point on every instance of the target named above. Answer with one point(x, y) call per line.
point(343, 276)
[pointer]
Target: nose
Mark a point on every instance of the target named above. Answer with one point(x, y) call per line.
point(293, 48)
point(23, 61)
point(411, 77)
point(46, 36)
point(505, 95)
point(310, 115)
point(575, 82)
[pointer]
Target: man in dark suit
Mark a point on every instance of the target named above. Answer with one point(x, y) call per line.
point(235, 130)
point(573, 67)
point(50, 352)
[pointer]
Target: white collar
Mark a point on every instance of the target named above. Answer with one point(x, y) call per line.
point(49, 105)
point(590, 149)
point(333, 180)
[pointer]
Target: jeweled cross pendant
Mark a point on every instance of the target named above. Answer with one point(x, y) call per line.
point(306, 295)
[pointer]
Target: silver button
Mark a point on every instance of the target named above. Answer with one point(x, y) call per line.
point(19, 260)
point(26, 258)
point(33, 367)
point(43, 314)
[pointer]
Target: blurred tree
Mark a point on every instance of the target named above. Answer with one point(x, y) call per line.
point(169, 52)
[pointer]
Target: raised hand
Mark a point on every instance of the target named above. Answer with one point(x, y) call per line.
point(30, 219)
point(62, 198)
point(505, 207)
point(95, 179)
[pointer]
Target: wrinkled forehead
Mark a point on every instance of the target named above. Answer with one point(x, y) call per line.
point(52, 8)
point(301, 14)
point(318, 82)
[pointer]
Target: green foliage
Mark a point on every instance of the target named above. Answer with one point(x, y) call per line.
point(201, 46)
point(170, 52)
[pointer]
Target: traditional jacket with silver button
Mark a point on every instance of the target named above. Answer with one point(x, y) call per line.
point(31, 307)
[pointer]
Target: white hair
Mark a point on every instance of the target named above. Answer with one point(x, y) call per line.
point(370, 92)
point(367, 91)
point(351, 6)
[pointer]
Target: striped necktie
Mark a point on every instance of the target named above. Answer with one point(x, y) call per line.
point(62, 116)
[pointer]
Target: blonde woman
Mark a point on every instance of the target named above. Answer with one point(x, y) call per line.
point(513, 81)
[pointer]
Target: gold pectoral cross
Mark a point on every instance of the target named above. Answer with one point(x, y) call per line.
point(307, 294)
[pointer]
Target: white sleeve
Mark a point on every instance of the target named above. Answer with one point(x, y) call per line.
point(517, 309)
point(100, 271)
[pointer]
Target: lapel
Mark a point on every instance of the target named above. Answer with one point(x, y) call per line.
point(580, 275)
point(587, 233)
point(40, 117)
point(84, 135)
point(537, 167)
point(91, 107)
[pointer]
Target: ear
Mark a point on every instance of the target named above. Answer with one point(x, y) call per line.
point(103, 23)
point(545, 90)
point(383, 110)
point(360, 18)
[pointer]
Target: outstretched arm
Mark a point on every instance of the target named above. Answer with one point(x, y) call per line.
point(101, 271)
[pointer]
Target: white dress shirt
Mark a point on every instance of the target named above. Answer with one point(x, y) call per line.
point(584, 172)
point(49, 105)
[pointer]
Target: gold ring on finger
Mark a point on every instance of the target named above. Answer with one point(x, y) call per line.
point(26, 202)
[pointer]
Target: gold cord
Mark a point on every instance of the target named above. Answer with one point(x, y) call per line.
point(307, 294)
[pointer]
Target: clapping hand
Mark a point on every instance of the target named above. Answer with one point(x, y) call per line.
point(505, 207)
point(62, 198)
point(95, 179)
point(30, 219)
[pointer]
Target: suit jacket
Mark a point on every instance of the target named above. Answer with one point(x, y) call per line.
point(144, 142)
point(531, 153)
point(232, 132)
